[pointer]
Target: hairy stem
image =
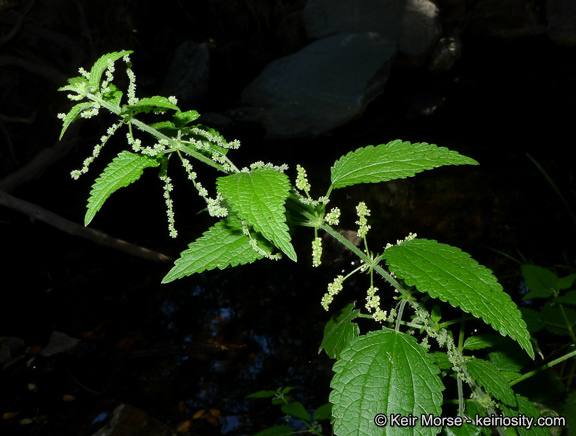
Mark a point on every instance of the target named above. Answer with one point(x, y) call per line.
point(178, 145)
point(543, 367)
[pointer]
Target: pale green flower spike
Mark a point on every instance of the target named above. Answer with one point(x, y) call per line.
point(132, 99)
point(333, 289)
point(215, 209)
point(302, 180)
point(333, 217)
point(104, 87)
point(77, 173)
point(169, 206)
point(373, 305)
point(260, 164)
point(254, 244)
point(316, 251)
point(362, 212)
point(399, 241)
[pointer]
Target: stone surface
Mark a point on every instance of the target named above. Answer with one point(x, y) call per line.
point(412, 24)
point(59, 343)
point(127, 420)
point(445, 54)
point(507, 19)
point(561, 19)
point(9, 348)
point(321, 87)
point(188, 74)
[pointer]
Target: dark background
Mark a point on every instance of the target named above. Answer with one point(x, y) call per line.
point(504, 98)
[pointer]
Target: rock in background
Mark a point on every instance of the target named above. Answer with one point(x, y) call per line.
point(323, 86)
point(188, 74)
point(331, 81)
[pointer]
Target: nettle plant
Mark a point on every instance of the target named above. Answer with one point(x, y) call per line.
point(380, 375)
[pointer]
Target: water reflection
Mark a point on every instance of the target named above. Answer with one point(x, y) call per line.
point(219, 339)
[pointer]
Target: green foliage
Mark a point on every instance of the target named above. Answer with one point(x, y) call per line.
point(449, 274)
point(340, 331)
point(293, 409)
point(223, 245)
point(395, 160)
point(384, 372)
point(558, 314)
point(124, 169)
point(488, 376)
point(258, 197)
point(391, 370)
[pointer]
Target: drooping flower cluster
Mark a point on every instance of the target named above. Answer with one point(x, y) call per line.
point(333, 217)
point(399, 241)
point(316, 251)
point(333, 289)
point(362, 211)
point(302, 180)
point(373, 305)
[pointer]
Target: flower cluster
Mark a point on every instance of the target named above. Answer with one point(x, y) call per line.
point(333, 289)
point(399, 241)
point(96, 151)
point(362, 211)
point(302, 180)
point(316, 251)
point(333, 217)
point(255, 246)
point(169, 207)
point(373, 305)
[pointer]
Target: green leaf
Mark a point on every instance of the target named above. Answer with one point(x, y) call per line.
point(102, 63)
point(570, 413)
point(279, 430)
point(164, 126)
point(533, 319)
point(441, 360)
point(473, 408)
point(487, 376)
point(567, 298)
point(478, 342)
point(74, 114)
point(541, 282)
point(323, 412)
point(509, 357)
point(558, 319)
point(76, 84)
point(223, 245)
point(464, 430)
point(566, 282)
point(395, 160)
point(258, 197)
point(262, 394)
point(447, 273)
point(384, 372)
point(436, 313)
point(114, 96)
point(156, 104)
point(339, 331)
point(183, 118)
point(510, 375)
point(526, 410)
point(124, 169)
point(297, 410)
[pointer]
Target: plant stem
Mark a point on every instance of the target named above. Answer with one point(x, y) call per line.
point(159, 135)
point(543, 367)
point(361, 255)
point(400, 312)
